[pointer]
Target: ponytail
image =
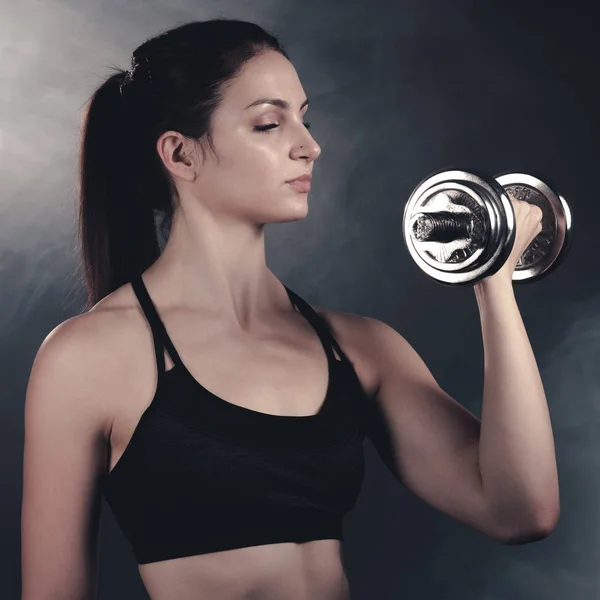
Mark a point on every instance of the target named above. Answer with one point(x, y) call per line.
point(121, 182)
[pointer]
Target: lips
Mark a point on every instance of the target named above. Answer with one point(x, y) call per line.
point(305, 177)
point(300, 185)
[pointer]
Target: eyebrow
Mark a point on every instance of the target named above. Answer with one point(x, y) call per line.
point(275, 102)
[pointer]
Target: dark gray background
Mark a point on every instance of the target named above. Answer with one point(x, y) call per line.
point(397, 90)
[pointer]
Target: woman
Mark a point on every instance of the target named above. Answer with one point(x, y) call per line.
point(194, 393)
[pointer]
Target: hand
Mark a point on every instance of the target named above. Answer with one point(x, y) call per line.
point(528, 224)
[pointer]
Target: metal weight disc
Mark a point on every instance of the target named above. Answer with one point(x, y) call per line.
point(478, 218)
point(549, 247)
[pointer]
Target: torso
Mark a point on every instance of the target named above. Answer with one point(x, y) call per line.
point(286, 360)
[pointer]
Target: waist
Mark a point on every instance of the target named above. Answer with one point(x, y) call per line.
point(286, 571)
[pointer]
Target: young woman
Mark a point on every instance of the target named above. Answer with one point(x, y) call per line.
point(218, 412)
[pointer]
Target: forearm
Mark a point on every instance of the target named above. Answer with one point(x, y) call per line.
point(516, 449)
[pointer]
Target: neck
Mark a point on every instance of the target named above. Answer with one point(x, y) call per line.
point(219, 268)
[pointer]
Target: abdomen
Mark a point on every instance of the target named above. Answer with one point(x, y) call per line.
point(286, 571)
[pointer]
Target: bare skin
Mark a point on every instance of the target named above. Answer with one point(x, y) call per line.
point(285, 374)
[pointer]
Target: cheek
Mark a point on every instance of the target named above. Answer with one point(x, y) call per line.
point(260, 165)
point(251, 162)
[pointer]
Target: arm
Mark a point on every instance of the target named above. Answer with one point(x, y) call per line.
point(64, 454)
point(516, 450)
point(498, 475)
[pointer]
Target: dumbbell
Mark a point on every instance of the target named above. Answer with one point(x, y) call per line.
point(459, 227)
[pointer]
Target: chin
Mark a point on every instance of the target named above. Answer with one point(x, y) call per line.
point(300, 210)
point(290, 209)
point(290, 217)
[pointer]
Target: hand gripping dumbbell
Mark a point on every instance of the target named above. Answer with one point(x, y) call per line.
point(459, 227)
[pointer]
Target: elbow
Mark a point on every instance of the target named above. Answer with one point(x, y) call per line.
point(541, 528)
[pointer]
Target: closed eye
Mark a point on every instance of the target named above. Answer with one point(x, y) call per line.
point(267, 128)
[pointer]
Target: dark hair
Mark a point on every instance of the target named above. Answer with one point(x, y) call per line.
point(126, 195)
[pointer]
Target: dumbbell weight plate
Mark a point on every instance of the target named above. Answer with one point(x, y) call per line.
point(549, 247)
point(472, 257)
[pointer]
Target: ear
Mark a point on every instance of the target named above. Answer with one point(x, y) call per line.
point(178, 154)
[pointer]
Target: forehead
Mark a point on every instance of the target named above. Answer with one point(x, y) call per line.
point(267, 75)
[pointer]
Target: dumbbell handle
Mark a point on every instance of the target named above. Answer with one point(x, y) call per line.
point(442, 226)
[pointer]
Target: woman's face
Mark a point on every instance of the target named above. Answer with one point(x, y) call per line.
point(247, 179)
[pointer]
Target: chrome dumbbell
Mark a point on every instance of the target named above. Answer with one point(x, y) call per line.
point(459, 227)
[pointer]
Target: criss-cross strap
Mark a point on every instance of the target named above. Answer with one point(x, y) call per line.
point(319, 323)
point(159, 333)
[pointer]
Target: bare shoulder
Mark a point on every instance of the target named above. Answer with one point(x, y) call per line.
point(359, 337)
point(375, 348)
point(346, 326)
point(82, 350)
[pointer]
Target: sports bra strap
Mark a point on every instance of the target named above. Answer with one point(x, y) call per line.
point(319, 323)
point(162, 339)
point(159, 333)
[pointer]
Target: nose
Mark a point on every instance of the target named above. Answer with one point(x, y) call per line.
point(308, 149)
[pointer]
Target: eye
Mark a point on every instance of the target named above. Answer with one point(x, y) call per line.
point(267, 128)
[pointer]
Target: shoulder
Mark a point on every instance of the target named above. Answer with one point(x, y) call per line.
point(94, 334)
point(345, 324)
point(375, 346)
point(366, 332)
point(361, 339)
point(78, 354)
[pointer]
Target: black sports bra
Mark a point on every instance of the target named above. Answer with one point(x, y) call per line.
point(201, 474)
